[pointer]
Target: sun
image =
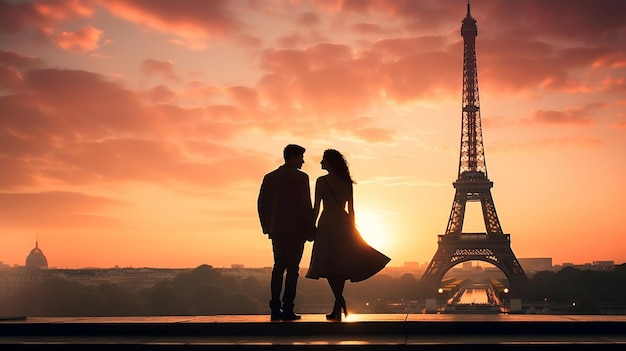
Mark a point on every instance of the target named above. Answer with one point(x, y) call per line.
point(373, 229)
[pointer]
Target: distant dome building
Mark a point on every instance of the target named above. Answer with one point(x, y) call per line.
point(36, 258)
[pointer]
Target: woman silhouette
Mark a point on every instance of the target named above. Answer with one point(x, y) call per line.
point(339, 251)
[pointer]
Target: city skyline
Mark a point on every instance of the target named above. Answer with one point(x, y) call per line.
point(411, 265)
point(136, 133)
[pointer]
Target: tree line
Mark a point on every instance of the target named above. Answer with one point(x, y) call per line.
point(206, 291)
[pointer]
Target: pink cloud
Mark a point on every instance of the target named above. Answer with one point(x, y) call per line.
point(10, 79)
point(594, 23)
point(397, 48)
point(540, 145)
point(523, 47)
point(245, 97)
point(160, 94)
point(196, 19)
point(292, 40)
point(332, 79)
point(559, 117)
point(159, 68)
point(422, 76)
point(82, 40)
point(15, 60)
point(309, 19)
point(522, 66)
point(567, 141)
point(612, 84)
point(40, 17)
point(416, 15)
point(580, 116)
point(161, 162)
point(95, 130)
point(88, 104)
point(361, 128)
point(368, 28)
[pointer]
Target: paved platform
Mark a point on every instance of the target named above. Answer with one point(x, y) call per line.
point(314, 332)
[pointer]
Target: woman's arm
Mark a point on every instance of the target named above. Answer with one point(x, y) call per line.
point(318, 199)
point(351, 204)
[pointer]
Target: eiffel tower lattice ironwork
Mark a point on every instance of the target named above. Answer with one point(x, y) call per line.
point(472, 184)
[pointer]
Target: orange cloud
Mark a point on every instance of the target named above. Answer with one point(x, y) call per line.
point(416, 15)
point(360, 128)
point(422, 76)
point(592, 24)
point(331, 79)
point(82, 40)
point(94, 130)
point(309, 19)
point(56, 208)
point(194, 21)
point(15, 60)
point(581, 116)
point(40, 18)
point(160, 94)
point(10, 79)
point(613, 84)
point(244, 96)
point(159, 68)
point(368, 28)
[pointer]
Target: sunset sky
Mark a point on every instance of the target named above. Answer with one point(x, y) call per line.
point(136, 133)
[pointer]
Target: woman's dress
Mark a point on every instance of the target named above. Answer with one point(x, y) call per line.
point(338, 249)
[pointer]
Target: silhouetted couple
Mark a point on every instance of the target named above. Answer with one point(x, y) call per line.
point(286, 215)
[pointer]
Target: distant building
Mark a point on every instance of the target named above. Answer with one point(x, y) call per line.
point(238, 270)
point(535, 264)
point(595, 266)
point(36, 258)
point(603, 265)
point(411, 264)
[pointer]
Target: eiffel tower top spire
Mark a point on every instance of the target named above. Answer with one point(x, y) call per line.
point(468, 27)
point(472, 154)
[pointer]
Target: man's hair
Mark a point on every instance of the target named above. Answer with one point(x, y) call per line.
point(293, 150)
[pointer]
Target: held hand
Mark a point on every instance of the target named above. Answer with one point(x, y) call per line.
point(312, 234)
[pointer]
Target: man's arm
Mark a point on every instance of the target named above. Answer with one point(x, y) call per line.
point(309, 216)
point(262, 206)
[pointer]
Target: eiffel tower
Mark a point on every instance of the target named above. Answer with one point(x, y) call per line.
point(474, 185)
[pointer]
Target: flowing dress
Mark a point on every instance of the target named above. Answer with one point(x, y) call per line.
point(338, 249)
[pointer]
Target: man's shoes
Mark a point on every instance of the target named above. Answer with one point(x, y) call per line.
point(276, 315)
point(290, 316)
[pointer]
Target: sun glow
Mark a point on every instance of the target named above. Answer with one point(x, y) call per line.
point(373, 229)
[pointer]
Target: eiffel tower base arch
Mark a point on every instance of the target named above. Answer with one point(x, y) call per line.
point(455, 249)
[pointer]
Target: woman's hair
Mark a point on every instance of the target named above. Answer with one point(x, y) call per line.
point(338, 163)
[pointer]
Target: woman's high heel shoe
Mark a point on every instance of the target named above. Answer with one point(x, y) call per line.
point(340, 305)
point(336, 313)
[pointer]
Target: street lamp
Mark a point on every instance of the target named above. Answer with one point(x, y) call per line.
point(439, 299)
point(506, 292)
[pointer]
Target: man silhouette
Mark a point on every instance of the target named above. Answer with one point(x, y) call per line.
point(286, 215)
